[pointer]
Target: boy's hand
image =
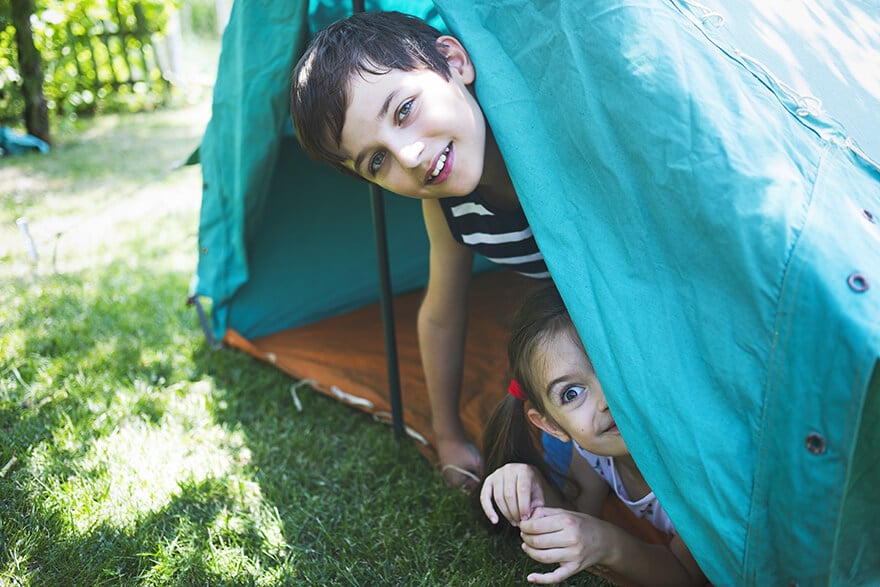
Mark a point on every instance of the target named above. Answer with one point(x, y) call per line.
point(572, 539)
point(462, 466)
point(516, 489)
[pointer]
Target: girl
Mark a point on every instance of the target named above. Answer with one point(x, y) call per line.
point(556, 389)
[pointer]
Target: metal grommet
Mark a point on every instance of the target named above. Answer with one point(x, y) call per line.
point(857, 282)
point(204, 250)
point(867, 214)
point(816, 443)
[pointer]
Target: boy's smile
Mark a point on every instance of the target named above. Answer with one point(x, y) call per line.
point(415, 133)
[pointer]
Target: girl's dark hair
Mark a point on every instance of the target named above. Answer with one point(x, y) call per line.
point(509, 437)
point(372, 42)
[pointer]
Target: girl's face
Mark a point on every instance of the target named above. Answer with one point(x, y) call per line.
point(575, 406)
point(415, 133)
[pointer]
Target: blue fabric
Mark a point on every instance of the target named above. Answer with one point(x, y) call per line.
point(704, 229)
point(13, 142)
point(557, 454)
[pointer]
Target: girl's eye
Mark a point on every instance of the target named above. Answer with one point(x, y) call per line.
point(376, 162)
point(571, 393)
point(404, 111)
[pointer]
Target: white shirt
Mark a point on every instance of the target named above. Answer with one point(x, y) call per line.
point(648, 507)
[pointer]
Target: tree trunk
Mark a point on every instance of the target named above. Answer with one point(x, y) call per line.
point(36, 111)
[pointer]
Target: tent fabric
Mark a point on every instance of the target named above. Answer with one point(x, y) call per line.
point(714, 240)
point(710, 225)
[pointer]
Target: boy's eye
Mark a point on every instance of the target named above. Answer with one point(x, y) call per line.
point(571, 393)
point(376, 162)
point(404, 111)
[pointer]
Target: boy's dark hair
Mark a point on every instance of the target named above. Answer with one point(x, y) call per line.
point(508, 437)
point(373, 42)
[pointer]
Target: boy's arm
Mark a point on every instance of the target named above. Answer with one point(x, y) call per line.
point(442, 325)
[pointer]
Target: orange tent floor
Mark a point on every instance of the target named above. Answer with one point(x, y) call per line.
point(344, 357)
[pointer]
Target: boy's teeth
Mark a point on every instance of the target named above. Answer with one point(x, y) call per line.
point(441, 163)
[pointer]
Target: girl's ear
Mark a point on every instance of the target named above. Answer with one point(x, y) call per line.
point(546, 424)
point(457, 57)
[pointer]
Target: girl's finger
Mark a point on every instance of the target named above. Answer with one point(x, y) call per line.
point(547, 555)
point(524, 496)
point(559, 574)
point(486, 501)
point(509, 497)
point(543, 522)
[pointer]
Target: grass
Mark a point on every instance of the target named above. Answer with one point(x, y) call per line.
point(133, 454)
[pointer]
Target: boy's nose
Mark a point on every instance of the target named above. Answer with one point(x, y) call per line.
point(410, 153)
point(601, 404)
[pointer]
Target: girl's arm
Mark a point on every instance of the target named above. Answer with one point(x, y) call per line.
point(594, 491)
point(576, 541)
point(579, 539)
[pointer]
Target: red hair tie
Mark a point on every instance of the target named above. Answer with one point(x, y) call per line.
point(516, 390)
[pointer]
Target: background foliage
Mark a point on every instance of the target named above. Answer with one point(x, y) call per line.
point(67, 33)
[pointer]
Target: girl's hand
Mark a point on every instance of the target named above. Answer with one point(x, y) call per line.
point(572, 539)
point(516, 489)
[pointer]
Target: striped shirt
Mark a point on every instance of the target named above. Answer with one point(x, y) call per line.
point(502, 236)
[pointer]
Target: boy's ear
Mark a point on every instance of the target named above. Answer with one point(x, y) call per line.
point(546, 424)
point(457, 57)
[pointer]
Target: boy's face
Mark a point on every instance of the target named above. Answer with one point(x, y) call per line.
point(415, 133)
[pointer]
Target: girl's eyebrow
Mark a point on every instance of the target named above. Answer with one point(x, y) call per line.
point(555, 382)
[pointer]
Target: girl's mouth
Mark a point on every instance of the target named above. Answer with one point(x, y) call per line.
point(442, 167)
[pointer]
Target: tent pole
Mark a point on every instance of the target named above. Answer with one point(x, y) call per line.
point(385, 297)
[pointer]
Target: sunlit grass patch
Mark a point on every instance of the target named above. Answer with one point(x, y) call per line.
point(139, 468)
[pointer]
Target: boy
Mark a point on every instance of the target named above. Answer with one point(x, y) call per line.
point(387, 98)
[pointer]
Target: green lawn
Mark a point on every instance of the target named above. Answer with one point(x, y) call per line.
point(133, 454)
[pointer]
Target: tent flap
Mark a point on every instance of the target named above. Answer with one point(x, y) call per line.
point(702, 230)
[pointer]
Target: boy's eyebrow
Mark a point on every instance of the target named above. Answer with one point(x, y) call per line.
point(382, 112)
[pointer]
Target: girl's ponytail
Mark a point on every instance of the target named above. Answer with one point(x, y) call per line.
point(508, 437)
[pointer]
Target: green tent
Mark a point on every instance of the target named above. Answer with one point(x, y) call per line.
point(710, 223)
